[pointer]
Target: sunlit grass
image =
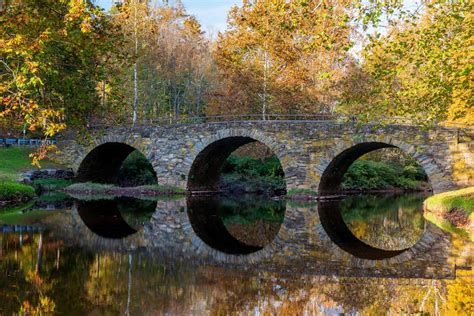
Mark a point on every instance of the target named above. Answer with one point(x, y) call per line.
point(15, 160)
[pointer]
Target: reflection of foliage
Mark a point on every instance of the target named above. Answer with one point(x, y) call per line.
point(79, 282)
point(249, 209)
point(45, 307)
point(386, 222)
point(136, 212)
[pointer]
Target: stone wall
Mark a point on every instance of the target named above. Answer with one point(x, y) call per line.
point(305, 149)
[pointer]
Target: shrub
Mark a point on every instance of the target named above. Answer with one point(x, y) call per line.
point(11, 191)
point(373, 175)
point(136, 170)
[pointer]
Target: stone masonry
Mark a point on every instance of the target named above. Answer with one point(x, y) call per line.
point(305, 148)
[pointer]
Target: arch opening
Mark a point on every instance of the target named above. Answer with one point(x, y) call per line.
point(207, 167)
point(243, 218)
point(116, 163)
point(383, 219)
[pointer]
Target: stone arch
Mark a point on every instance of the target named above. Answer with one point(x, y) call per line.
point(210, 154)
point(334, 166)
point(102, 160)
point(331, 179)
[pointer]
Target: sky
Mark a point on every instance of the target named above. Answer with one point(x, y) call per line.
point(211, 13)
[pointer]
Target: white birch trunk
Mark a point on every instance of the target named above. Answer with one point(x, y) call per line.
point(135, 70)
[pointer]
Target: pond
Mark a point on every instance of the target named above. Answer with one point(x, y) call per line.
point(224, 254)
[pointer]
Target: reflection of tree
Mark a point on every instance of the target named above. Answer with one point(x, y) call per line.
point(88, 283)
point(386, 222)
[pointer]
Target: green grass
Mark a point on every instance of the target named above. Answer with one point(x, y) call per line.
point(52, 184)
point(447, 226)
point(11, 191)
point(15, 160)
point(446, 201)
point(438, 205)
point(305, 192)
point(98, 188)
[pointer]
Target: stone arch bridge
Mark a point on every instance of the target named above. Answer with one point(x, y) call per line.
point(314, 154)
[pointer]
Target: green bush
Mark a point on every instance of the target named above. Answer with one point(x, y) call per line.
point(12, 191)
point(136, 170)
point(247, 174)
point(373, 175)
point(269, 167)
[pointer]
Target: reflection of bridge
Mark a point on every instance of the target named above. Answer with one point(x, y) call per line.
point(314, 153)
point(302, 245)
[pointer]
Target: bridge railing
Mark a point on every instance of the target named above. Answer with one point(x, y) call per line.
point(239, 118)
point(34, 142)
point(320, 117)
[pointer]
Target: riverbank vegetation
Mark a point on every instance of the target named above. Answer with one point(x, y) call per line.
point(452, 211)
point(13, 162)
point(13, 192)
point(91, 189)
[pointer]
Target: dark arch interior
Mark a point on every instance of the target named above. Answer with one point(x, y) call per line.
point(209, 214)
point(334, 174)
point(108, 218)
point(104, 219)
point(206, 168)
point(103, 163)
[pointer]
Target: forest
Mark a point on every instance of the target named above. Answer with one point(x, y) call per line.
point(70, 64)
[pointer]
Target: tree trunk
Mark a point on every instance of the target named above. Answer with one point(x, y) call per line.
point(135, 70)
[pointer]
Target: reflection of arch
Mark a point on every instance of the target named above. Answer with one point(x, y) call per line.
point(101, 165)
point(330, 183)
point(207, 165)
point(333, 174)
point(104, 219)
point(337, 230)
point(209, 226)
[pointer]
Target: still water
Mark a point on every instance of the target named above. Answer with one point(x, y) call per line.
point(229, 255)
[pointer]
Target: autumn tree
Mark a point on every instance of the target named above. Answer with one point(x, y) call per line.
point(283, 56)
point(170, 66)
point(421, 69)
point(52, 55)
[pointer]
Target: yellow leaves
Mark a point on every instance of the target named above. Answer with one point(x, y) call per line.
point(46, 306)
point(86, 25)
point(41, 154)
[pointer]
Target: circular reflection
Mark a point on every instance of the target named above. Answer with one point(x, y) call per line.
point(236, 225)
point(116, 218)
point(374, 227)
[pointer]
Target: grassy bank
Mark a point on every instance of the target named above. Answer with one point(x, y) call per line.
point(12, 192)
point(452, 211)
point(96, 189)
point(16, 160)
point(13, 162)
point(251, 175)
